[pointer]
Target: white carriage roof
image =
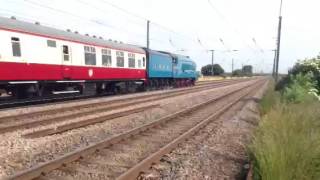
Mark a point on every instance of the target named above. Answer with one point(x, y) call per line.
point(37, 29)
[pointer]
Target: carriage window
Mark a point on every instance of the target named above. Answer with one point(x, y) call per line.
point(139, 63)
point(51, 43)
point(65, 50)
point(132, 61)
point(16, 49)
point(90, 55)
point(144, 62)
point(120, 59)
point(106, 57)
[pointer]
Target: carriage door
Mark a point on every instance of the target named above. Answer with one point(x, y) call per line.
point(66, 62)
point(175, 66)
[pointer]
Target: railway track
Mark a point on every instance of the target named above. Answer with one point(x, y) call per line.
point(11, 103)
point(46, 117)
point(126, 155)
point(216, 81)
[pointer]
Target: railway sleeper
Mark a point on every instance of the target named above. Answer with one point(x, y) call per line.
point(141, 152)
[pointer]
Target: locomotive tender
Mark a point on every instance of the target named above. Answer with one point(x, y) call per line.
point(37, 61)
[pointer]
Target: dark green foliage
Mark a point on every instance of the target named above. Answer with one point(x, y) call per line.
point(207, 70)
point(299, 88)
point(282, 83)
point(237, 72)
point(308, 66)
point(245, 71)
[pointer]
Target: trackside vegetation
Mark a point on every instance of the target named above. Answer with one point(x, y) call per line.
point(286, 144)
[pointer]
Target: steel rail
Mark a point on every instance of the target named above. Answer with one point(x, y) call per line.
point(25, 125)
point(216, 81)
point(12, 103)
point(146, 163)
point(37, 113)
point(86, 122)
point(46, 167)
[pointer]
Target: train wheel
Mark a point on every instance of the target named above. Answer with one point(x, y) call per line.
point(20, 92)
point(40, 90)
point(157, 84)
point(116, 90)
point(161, 84)
point(179, 84)
point(167, 84)
point(153, 85)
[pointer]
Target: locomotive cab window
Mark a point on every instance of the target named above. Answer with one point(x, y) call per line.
point(16, 49)
point(106, 57)
point(139, 63)
point(66, 53)
point(120, 59)
point(90, 55)
point(132, 61)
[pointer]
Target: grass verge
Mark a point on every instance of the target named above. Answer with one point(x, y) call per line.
point(286, 144)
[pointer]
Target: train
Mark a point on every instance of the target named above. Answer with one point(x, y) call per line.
point(37, 61)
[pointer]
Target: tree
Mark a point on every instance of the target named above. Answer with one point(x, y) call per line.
point(247, 70)
point(207, 70)
point(308, 66)
point(237, 72)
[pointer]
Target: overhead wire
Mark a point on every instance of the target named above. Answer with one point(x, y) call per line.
point(151, 21)
point(196, 40)
point(96, 22)
point(253, 51)
point(223, 17)
point(255, 42)
point(104, 11)
point(146, 19)
point(18, 15)
point(124, 10)
point(102, 23)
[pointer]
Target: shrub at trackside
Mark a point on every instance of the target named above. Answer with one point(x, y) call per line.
point(286, 144)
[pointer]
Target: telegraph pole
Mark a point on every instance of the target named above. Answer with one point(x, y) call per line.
point(274, 63)
point(212, 58)
point(148, 38)
point(232, 66)
point(234, 50)
point(278, 44)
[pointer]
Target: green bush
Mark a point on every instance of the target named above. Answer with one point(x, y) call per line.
point(298, 88)
point(207, 70)
point(308, 66)
point(247, 70)
point(237, 72)
point(282, 83)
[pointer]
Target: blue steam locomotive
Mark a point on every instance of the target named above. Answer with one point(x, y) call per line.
point(168, 69)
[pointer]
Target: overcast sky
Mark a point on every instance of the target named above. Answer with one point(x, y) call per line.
point(189, 27)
